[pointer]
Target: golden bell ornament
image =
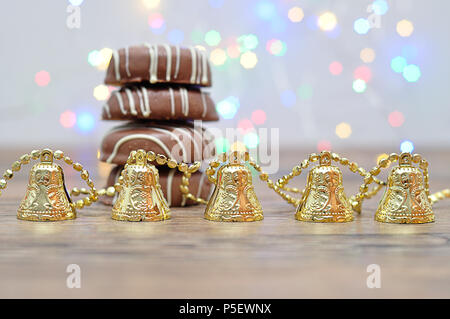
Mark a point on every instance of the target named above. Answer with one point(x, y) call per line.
point(234, 198)
point(324, 199)
point(46, 198)
point(406, 199)
point(140, 195)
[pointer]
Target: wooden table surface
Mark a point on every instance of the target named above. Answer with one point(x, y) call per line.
point(190, 257)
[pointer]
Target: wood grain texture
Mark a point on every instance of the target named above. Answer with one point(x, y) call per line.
point(190, 257)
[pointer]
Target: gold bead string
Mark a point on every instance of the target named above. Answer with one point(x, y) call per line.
point(210, 174)
point(151, 157)
point(279, 190)
point(59, 155)
point(443, 194)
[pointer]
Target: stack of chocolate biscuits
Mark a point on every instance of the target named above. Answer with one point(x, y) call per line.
point(160, 97)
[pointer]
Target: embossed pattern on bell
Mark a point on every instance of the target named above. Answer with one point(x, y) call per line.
point(405, 199)
point(141, 197)
point(46, 198)
point(324, 199)
point(234, 197)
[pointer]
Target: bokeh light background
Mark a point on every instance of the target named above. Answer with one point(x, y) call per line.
point(329, 74)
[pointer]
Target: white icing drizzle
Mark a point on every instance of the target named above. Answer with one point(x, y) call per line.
point(204, 69)
point(169, 61)
point(116, 58)
point(145, 107)
point(131, 102)
point(203, 103)
point(145, 126)
point(174, 137)
point(199, 58)
point(169, 185)
point(153, 63)
point(184, 101)
point(172, 102)
point(177, 63)
point(119, 99)
point(193, 65)
point(127, 62)
point(136, 136)
point(141, 102)
point(106, 109)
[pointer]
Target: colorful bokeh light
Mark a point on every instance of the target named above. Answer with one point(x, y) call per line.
point(412, 73)
point(407, 146)
point(233, 51)
point(68, 119)
point(266, 10)
point(323, 145)
point(42, 78)
point(249, 60)
point(245, 126)
point(222, 145)
point(288, 98)
point(359, 86)
point(295, 14)
point(259, 117)
point(361, 26)
point(398, 64)
point(175, 36)
point(150, 4)
point(248, 42)
point(380, 7)
point(76, 3)
point(335, 68)
point(405, 28)
point(101, 92)
point(276, 47)
point(305, 92)
point(218, 56)
point(156, 23)
point(363, 73)
point(396, 119)
point(409, 52)
point(367, 55)
point(278, 25)
point(94, 57)
point(85, 122)
point(343, 130)
point(251, 140)
point(228, 107)
point(100, 59)
point(212, 38)
point(327, 21)
point(197, 36)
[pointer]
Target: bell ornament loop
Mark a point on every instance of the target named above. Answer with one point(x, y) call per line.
point(140, 197)
point(405, 200)
point(234, 198)
point(324, 199)
point(46, 197)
